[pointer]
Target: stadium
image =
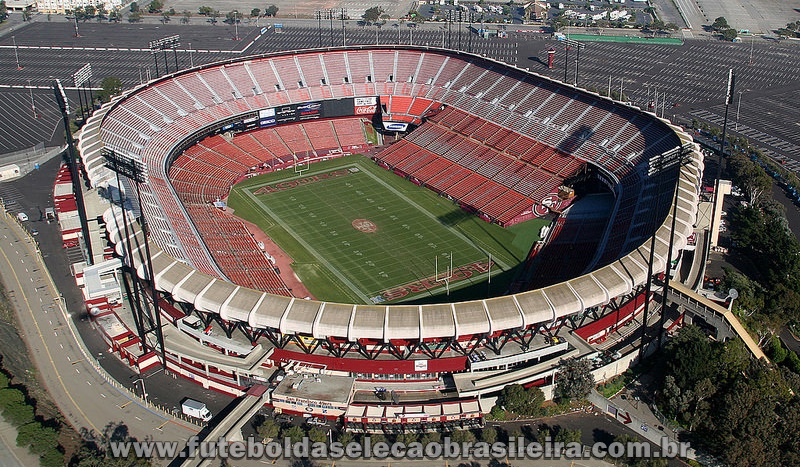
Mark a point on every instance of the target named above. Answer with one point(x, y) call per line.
point(505, 144)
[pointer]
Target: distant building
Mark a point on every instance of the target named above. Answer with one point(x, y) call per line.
point(20, 5)
point(536, 10)
point(62, 6)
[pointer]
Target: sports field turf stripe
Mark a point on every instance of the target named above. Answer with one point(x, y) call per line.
point(448, 234)
point(307, 246)
point(455, 231)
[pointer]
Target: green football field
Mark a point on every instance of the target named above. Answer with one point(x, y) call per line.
point(359, 233)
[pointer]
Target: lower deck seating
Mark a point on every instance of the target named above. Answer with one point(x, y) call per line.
point(466, 160)
point(205, 172)
point(235, 250)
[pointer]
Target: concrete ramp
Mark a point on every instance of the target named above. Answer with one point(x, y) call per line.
point(230, 427)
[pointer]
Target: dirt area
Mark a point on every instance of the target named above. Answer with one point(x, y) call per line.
point(282, 260)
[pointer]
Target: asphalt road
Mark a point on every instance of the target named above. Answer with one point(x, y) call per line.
point(33, 194)
point(86, 399)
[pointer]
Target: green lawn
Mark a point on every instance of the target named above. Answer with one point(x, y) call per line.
point(358, 233)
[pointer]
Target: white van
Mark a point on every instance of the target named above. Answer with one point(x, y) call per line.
point(22, 217)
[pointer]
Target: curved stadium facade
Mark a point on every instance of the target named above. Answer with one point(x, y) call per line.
point(512, 136)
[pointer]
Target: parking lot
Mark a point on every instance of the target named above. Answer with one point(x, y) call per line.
point(689, 79)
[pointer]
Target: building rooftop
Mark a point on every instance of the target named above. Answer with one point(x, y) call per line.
point(337, 389)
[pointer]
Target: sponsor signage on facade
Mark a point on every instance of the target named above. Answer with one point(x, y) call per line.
point(394, 126)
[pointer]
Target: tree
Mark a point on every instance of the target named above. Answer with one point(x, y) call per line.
point(777, 353)
point(268, 429)
point(462, 436)
point(187, 17)
point(407, 438)
point(17, 412)
point(271, 10)
point(90, 10)
point(204, 10)
point(255, 13)
point(432, 437)
point(294, 433)
point(3, 11)
point(214, 15)
point(317, 435)
point(38, 438)
point(52, 458)
point(233, 17)
point(689, 353)
point(720, 24)
point(372, 15)
point(155, 6)
point(134, 7)
point(111, 86)
point(489, 435)
point(566, 435)
point(515, 398)
point(574, 379)
point(729, 34)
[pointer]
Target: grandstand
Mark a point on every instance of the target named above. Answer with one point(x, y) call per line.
point(498, 140)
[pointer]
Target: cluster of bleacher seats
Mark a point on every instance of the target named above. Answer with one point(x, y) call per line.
point(235, 250)
point(569, 251)
point(205, 172)
point(410, 109)
point(484, 166)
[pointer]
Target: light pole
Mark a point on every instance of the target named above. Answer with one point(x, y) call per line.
point(191, 58)
point(144, 391)
point(16, 54)
point(33, 104)
point(738, 106)
point(236, 23)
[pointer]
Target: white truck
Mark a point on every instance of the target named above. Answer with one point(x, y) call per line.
point(196, 409)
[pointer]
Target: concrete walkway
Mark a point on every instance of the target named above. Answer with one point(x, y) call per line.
point(637, 416)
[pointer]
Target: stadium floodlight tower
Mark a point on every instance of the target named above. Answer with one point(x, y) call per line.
point(166, 43)
point(81, 78)
point(569, 43)
point(149, 319)
point(77, 186)
point(657, 166)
